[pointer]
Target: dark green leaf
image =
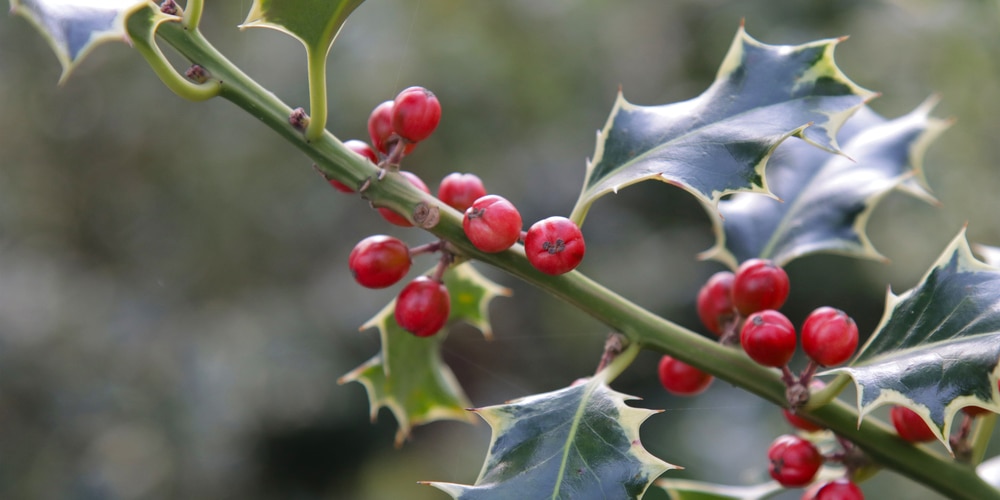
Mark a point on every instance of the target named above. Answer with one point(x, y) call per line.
point(937, 346)
point(409, 376)
point(826, 200)
point(579, 443)
point(315, 23)
point(720, 141)
point(682, 489)
point(75, 27)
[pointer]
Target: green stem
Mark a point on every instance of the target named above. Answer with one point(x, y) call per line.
point(620, 363)
point(141, 28)
point(643, 328)
point(981, 432)
point(192, 14)
point(316, 64)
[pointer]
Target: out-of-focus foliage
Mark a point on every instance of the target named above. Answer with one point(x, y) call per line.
point(175, 304)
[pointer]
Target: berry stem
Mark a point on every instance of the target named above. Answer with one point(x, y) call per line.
point(446, 259)
point(426, 248)
point(808, 372)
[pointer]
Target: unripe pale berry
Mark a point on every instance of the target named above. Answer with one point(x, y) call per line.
point(492, 224)
point(379, 261)
point(910, 425)
point(759, 285)
point(794, 461)
point(768, 337)
point(838, 489)
point(829, 336)
point(681, 378)
point(415, 114)
point(423, 306)
point(398, 219)
point(362, 148)
point(554, 245)
point(715, 301)
point(460, 190)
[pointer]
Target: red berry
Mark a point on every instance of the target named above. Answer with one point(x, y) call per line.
point(910, 425)
point(794, 461)
point(395, 218)
point(768, 337)
point(383, 137)
point(361, 148)
point(554, 245)
point(492, 224)
point(839, 489)
point(415, 114)
point(829, 336)
point(423, 306)
point(460, 190)
point(715, 302)
point(681, 378)
point(379, 261)
point(759, 285)
point(975, 411)
point(799, 422)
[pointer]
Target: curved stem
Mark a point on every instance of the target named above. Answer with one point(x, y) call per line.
point(192, 14)
point(142, 29)
point(643, 328)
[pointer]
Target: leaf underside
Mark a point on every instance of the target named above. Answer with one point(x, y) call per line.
point(408, 376)
point(826, 200)
point(936, 348)
point(74, 28)
point(580, 442)
point(315, 23)
point(719, 142)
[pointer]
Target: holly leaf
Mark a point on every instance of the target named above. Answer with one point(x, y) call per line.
point(579, 442)
point(990, 255)
point(315, 23)
point(719, 142)
point(826, 200)
point(684, 489)
point(408, 376)
point(75, 27)
point(936, 348)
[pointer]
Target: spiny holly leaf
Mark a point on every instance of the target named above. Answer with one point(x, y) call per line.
point(990, 255)
point(682, 489)
point(936, 348)
point(719, 142)
point(826, 200)
point(74, 27)
point(315, 23)
point(580, 442)
point(408, 376)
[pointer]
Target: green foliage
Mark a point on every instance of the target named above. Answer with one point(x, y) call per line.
point(681, 489)
point(580, 442)
point(719, 142)
point(937, 346)
point(408, 376)
point(826, 201)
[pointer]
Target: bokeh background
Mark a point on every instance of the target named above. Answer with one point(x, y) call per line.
point(175, 304)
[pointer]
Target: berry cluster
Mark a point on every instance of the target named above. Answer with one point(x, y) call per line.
point(491, 223)
point(794, 462)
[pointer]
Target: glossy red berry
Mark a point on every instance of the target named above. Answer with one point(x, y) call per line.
point(910, 426)
point(715, 302)
point(794, 461)
point(415, 114)
point(829, 336)
point(398, 219)
point(759, 285)
point(799, 422)
point(768, 337)
point(839, 489)
point(460, 190)
point(554, 245)
point(423, 306)
point(681, 378)
point(492, 224)
point(380, 126)
point(362, 148)
point(379, 261)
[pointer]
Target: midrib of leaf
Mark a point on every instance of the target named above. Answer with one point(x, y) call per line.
point(574, 426)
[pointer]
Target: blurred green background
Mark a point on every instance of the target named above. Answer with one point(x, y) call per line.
point(175, 304)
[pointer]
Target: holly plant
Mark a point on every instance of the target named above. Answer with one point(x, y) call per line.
point(787, 159)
